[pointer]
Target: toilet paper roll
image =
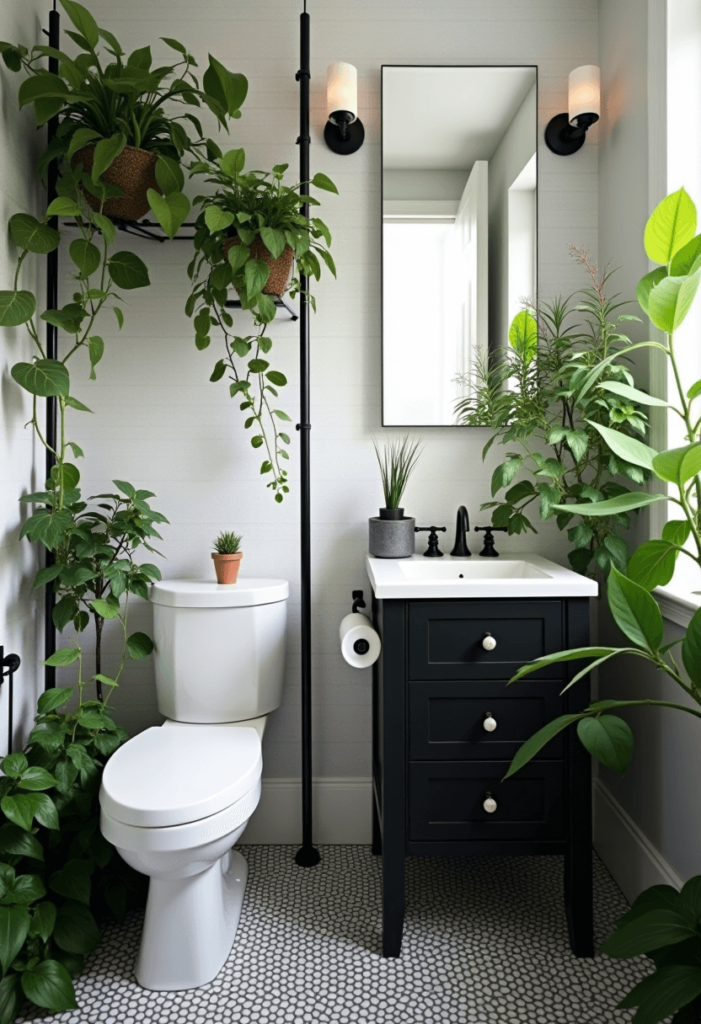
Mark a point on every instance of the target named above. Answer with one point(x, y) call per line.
point(360, 644)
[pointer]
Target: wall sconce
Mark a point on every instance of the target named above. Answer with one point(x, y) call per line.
point(343, 133)
point(566, 133)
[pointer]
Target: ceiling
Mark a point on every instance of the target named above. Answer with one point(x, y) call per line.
point(436, 118)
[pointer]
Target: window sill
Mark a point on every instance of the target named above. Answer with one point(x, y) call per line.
point(677, 604)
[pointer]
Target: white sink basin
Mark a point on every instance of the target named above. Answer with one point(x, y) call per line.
point(525, 576)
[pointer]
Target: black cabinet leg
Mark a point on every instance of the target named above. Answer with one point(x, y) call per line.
point(376, 830)
point(579, 901)
point(392, 900)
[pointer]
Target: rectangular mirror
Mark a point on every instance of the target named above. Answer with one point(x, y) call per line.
point(459, 230)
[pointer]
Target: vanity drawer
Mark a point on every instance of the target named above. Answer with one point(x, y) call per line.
point(445, 638)
point(446, 720)
point(446, 801)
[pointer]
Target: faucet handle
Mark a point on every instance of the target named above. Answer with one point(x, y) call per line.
point(489, 550)
point(432, 550)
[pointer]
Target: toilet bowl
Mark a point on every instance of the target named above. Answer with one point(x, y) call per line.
point(176, 798)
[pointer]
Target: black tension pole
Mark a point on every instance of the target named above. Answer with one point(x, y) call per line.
point(307, 855)
point(51, 352)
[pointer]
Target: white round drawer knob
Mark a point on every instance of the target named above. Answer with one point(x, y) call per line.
point(489, 724)
point(488, 642)
point(490, 804)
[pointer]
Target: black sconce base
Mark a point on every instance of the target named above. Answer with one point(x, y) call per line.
point(344, 142)
point(562, 138)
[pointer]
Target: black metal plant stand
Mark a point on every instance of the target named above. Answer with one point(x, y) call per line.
point(9, 663)
point(307, 855)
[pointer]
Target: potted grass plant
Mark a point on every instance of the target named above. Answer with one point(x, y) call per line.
point(227, 556)
point(113, 121)
point(392, 533)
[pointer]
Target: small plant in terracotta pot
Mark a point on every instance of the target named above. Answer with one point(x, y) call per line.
point(227, 556)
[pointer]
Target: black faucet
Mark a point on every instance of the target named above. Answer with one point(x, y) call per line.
point(432, 550)
point(489, 550)
point(462, 528)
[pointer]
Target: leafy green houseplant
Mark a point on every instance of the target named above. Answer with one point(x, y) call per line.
point(227, 556)
point(113, 117)
point(538, 403)
point(248, 233)
point(664, 924)
point(391, 534)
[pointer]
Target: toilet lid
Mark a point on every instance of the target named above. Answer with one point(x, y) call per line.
point(176, 776)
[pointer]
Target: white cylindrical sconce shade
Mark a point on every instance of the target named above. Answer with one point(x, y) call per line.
point(584, 94)
point(341, 90)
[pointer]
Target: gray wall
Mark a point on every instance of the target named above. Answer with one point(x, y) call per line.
point(158, 421)
point(21, 462)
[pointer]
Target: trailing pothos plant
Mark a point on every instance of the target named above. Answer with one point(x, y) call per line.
point(112, 100)
point(252, 215)
point(539, 398)
point(663, 923)
point(58, 874)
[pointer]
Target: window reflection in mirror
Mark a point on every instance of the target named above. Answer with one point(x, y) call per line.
point(459, 220)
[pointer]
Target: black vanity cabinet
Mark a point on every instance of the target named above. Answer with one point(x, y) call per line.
point(445, 727)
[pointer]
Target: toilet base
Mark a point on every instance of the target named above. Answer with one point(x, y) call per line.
point(190, 925)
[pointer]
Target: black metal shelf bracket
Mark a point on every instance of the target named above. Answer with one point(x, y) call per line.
point(9, 663)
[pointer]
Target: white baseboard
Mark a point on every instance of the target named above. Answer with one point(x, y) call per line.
point(625, 850)
point(342, 811)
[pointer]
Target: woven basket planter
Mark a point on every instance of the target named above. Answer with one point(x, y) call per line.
point(280, 269)
point(134, 171)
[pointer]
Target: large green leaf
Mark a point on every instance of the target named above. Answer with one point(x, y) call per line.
point(86, 257)
point(106, 152)
point(504, 474)
point(54, 698)
point(11, 997)
point(36, 779)
point(691, 649)
point(274, 241)
point(139, 646)
point(632, 394)
point(169, 175)
point(536, 743)
point(43, 920)
point(651, 931)
point(73, 881)
point(41, 87)
point(652, 564)
point(81, 138)
point(170, 210)
point(228, 89)
point(83, 21)
point(612, 506)
point(49, 983)
point(636, 613)
point(29, 233)
point(257, 274)
point(576, 654)
point(671, 226)
point(232, 163)
point(646, 285)
point(665, 992)
point(671, 300)
point(43, 378)
point(323, 182)
point(14, 927)
point(523, 335)
point(16, 308)
point(677, 465)
point(19, 843)
point(626, 448)
point(609, 739)
point(686, 259)
point(63, 656)
point(76, 931)
point(128, 271)
point(217, 219)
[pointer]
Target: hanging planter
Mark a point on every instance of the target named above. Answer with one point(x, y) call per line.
point(280, 268)
point(133, 171)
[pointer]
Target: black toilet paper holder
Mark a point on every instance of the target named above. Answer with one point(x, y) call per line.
point(358, 601)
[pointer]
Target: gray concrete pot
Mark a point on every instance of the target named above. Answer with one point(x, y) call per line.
point(391, 538)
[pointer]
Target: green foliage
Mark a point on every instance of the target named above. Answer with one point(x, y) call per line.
point(397, 463)
point(59, 877)
point(252, 209)
point(228, 543)
point(663, 924)
point(569, 441)
point(109, 100)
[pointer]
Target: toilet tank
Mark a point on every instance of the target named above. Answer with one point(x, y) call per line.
point(220, 650)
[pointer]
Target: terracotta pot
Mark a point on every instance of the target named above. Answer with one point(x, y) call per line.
point(280, 269)
point(227, 567)
point(134, 171)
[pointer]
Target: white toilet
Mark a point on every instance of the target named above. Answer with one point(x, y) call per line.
point(177, 797)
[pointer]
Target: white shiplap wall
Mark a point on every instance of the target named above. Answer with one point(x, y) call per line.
point(159, 423)
point(21, 461)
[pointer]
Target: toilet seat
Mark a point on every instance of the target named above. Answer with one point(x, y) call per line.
point(173, 776)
